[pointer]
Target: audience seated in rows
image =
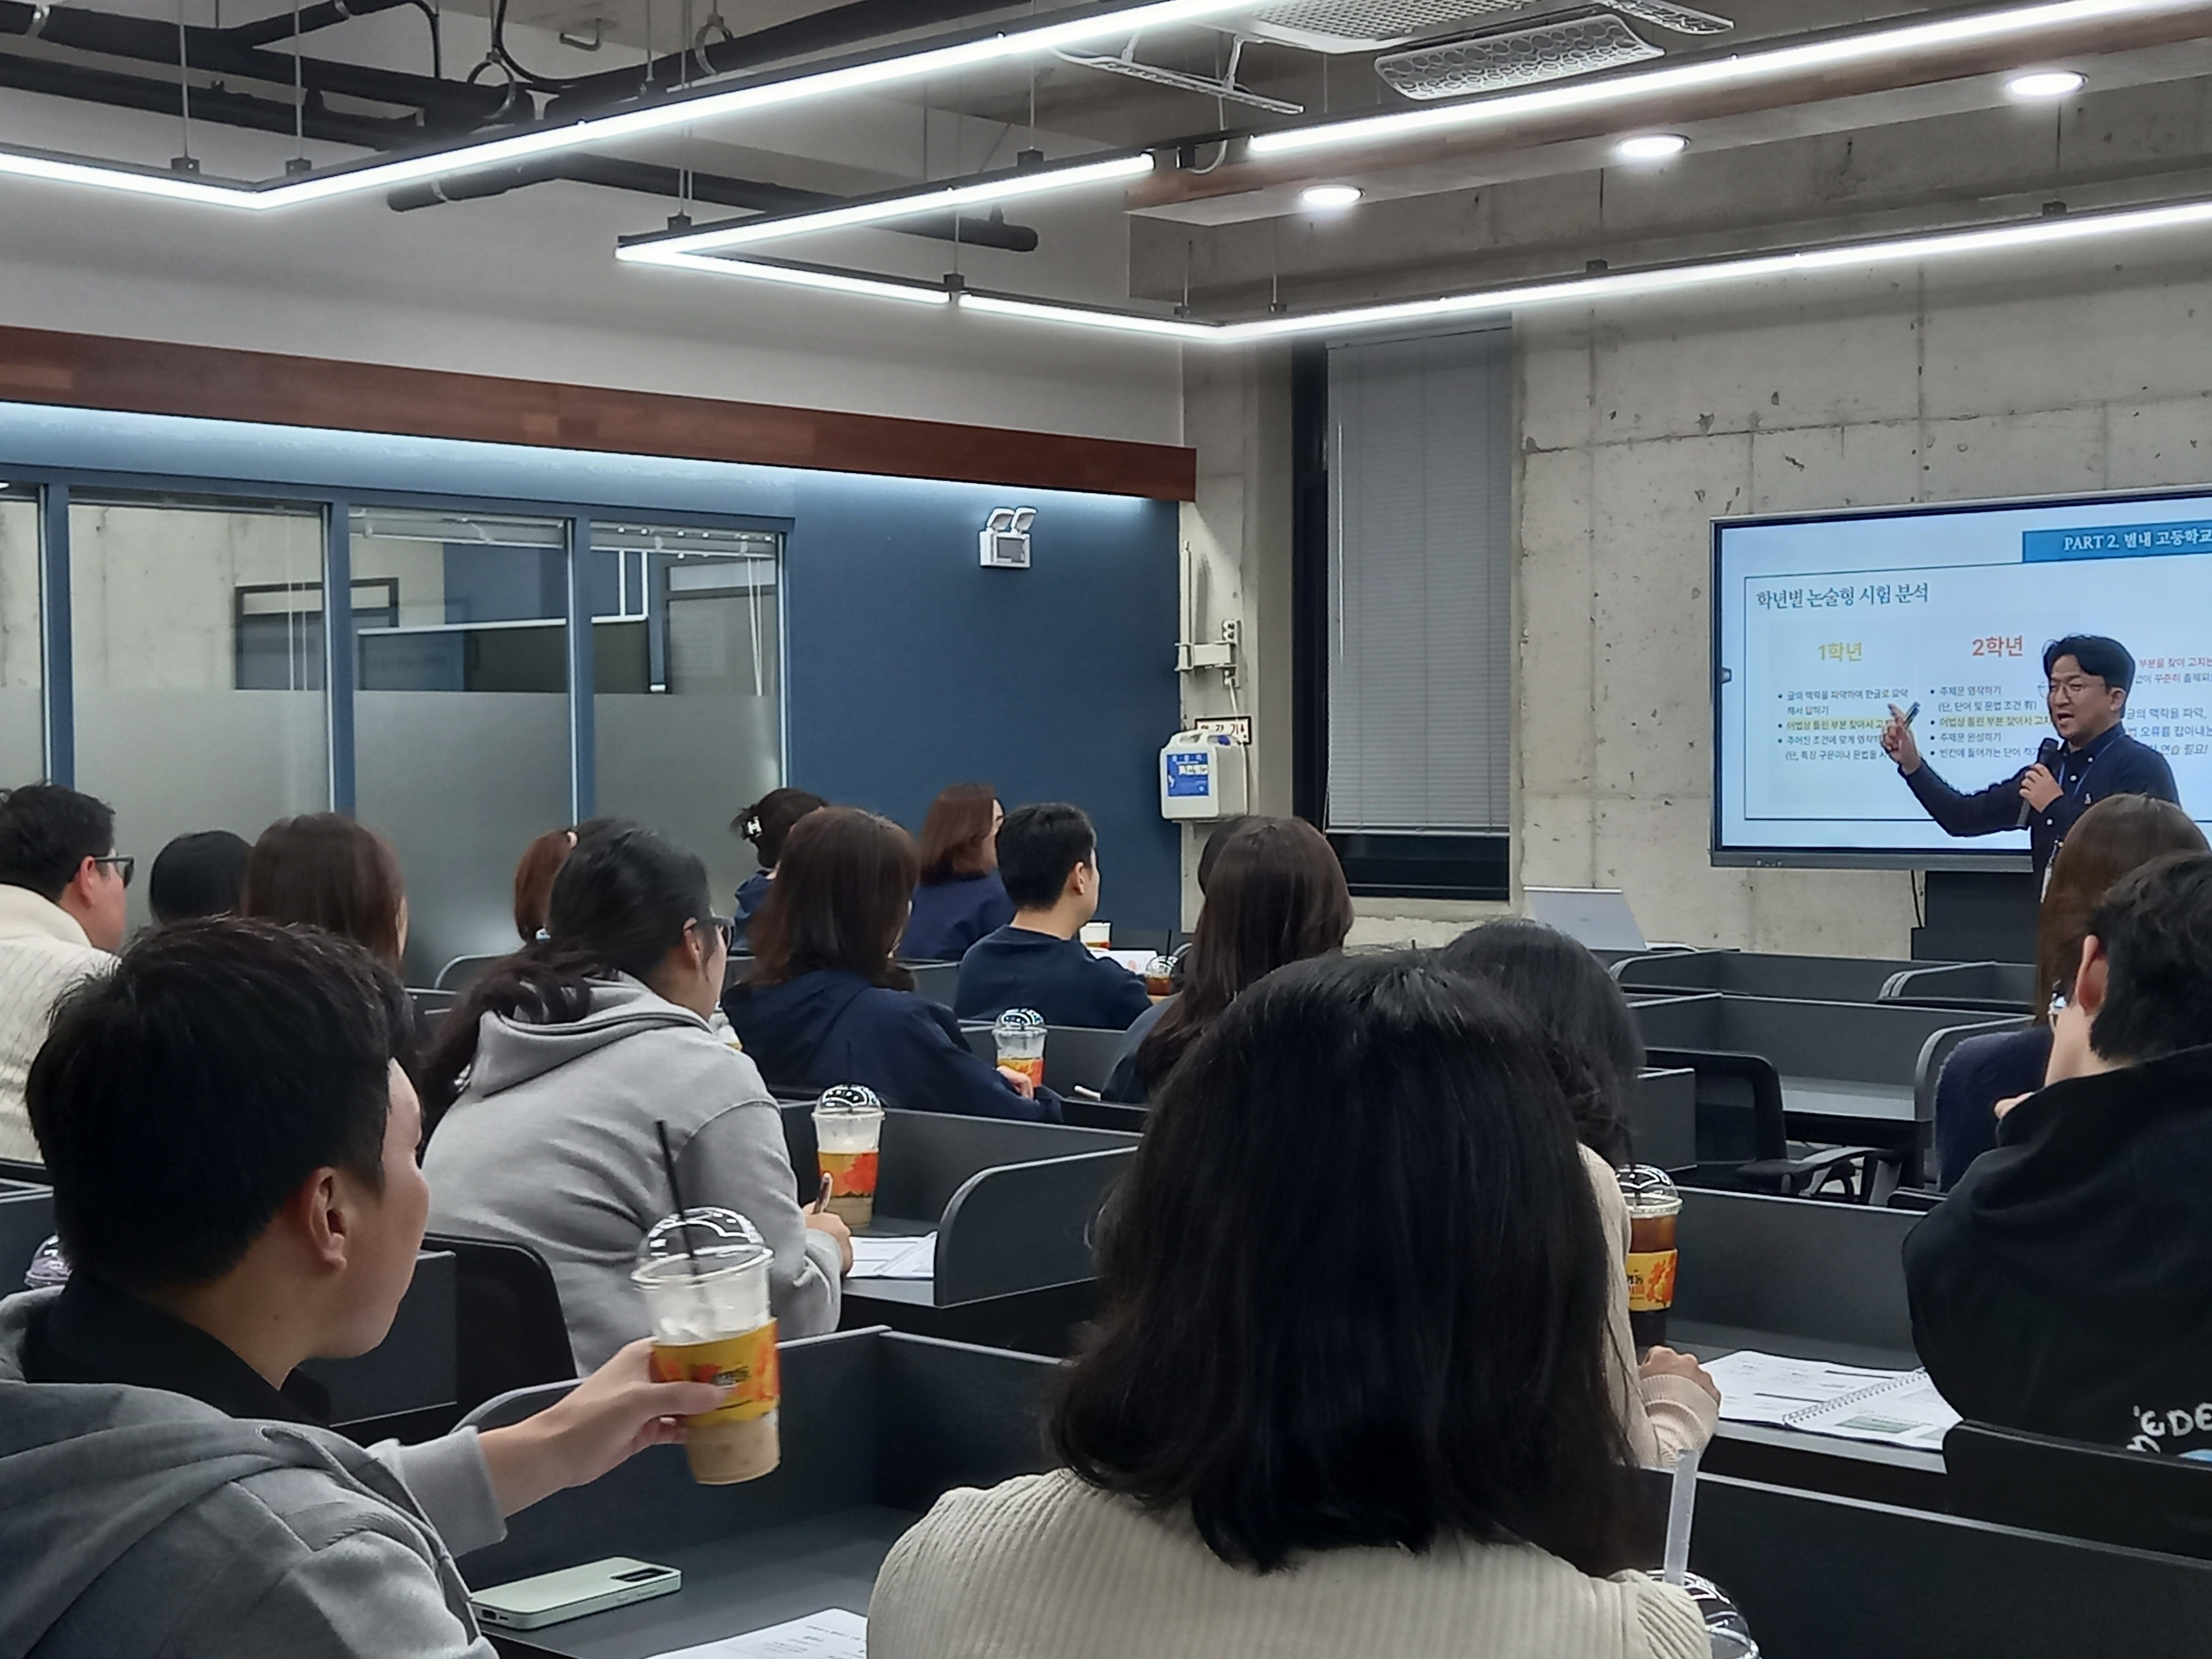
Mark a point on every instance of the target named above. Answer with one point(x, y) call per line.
point(960, 896)
point(197, 875)
point(1048, 860)
point(534, 871)
point(1668, 1405)
point(558, 1068)
point(1277, 895)
point(2064, 1285)
point(323, 870)
point(1349, 1391)
point(825, 1002)
point(765, 824)
point(2114, 838)
point(62, 888)
point(232, 1147)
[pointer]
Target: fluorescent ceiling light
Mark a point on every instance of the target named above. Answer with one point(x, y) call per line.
point(2045, 84)
point(1575, 290)
point(1652, 147)
point(2018, 22)
point(834, 282)
point(993, 187)
point(687, 110)
point(1328, 197)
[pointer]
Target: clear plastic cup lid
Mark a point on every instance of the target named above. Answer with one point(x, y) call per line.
point(1017, 1019)
point(1645, 1186)
point(713, 1236)
point(1159, 968)
point(848, 1098)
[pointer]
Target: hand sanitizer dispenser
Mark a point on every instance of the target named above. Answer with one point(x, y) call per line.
point(1202, 776)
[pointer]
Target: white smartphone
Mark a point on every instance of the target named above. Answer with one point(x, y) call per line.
point(551, 1597)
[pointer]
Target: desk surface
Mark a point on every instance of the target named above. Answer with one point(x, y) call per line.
point(1830, 1096)
point(734, 1585)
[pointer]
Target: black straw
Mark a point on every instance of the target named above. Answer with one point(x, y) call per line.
point(676, 1193)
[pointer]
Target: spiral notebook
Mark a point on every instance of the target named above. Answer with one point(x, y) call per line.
point(1854, 1402)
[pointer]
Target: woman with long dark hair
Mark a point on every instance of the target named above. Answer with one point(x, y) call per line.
point(825, 1002)
point(2114, 838)
point(1275, 895)
point(958, 898)
point(1348, 1393)
point(765, 824)
point(1668, 1404)
point(323, 870)
point(557, 1068)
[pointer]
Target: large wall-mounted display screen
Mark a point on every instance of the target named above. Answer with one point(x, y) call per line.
point(1821, 623)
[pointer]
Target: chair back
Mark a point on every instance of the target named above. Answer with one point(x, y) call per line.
point(938, 981)
point(2140, 1500)
point(512, 1333)
point(456, 975)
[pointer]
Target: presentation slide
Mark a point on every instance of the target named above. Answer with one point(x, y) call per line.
point(1821, 623)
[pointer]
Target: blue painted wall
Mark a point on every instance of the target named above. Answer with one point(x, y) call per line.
point(908, 665)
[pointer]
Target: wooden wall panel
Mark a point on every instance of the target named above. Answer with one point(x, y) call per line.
point(161, 378)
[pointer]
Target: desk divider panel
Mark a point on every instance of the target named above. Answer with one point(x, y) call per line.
point(1075, 1056)
point(415, 1367)
point(928, 1156)
point(27, 1221)
point(1823, 1578)
point(1023, 1226)
point(1753, 973)
point(1797, 1267)
point(1868, 1042)
point(953, 1415)
point(1663, 1116)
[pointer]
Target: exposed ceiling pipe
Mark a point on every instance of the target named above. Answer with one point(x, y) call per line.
point(853, 24)
point(447, 104)
point(209, 103)
point(265, 31)
point(647, 179)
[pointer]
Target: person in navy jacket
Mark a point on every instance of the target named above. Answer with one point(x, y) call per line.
point(766, 824)
point(960, 897)
point(1048, 859)
point(824, 1003)
point(2089, 677)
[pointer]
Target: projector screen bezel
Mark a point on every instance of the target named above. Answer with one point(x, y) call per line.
point(1963, 855)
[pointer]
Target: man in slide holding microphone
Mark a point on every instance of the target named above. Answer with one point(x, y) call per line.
point(2092, 756)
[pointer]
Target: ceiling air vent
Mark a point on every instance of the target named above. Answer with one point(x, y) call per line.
point(1342, 25)
point(1580, 43)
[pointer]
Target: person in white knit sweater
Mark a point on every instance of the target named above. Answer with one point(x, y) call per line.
point(1668, 1405)
point(61, 921)
point(1349, 1391)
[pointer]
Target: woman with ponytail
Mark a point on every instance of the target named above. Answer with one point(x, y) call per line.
point(546, 1089)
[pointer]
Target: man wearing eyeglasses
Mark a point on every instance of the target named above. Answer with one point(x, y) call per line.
point(2087, 678)
point(62, 888)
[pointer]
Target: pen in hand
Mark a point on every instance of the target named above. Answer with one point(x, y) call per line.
point(821, 1197)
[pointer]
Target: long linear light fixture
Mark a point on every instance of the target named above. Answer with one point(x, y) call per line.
point(2019, 23)
point(1577, 290)
point(680, 110)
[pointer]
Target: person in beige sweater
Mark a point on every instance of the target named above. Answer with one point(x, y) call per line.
point(1668, 1404)
point(1349, 1391)
point(61, 919)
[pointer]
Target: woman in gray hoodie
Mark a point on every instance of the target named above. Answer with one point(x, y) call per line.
point(553, 1070)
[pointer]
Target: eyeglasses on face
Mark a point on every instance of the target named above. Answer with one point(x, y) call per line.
point(125, 865)
point(2078, 685)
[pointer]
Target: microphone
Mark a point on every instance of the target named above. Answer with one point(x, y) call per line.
point(2046, 756)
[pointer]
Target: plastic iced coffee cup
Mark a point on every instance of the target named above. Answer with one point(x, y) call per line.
point(1159, 977)
point(1653, 1204)
point(1019, 1034)
point(848, 1131)
point(704, 1276)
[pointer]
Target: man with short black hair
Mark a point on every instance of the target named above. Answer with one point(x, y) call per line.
point(61, 921)
point(1049, 861)
point(232, 1145)
point(2087, 680)
point(2065, 1286)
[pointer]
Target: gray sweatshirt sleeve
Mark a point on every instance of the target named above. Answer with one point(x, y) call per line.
point(364, 1596)
point(450, 1483)
point(738, 1157)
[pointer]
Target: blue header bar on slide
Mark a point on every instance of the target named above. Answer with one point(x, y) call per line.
point(2128, 541)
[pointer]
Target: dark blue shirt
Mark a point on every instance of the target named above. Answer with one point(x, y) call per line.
point(949, 916)
point(1981, 1072)
point(830, 1026)
point(1018, 968)
point(752, 893)
point(2111, 765)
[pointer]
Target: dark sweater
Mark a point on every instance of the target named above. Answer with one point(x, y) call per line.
point(1017, 968)
point(2113, 764)
point(1981, 1072)
point(752, 893)
point(830, 1026)
point(1128, 1082)
point(2065, 1285)
point(949, 916)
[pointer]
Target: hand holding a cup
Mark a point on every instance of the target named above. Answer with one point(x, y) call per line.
point(612, 1414)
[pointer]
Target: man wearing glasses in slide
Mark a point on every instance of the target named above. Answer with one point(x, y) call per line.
point(2093, 758)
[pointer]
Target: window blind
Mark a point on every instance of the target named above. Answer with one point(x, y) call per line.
point(1421, 584)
